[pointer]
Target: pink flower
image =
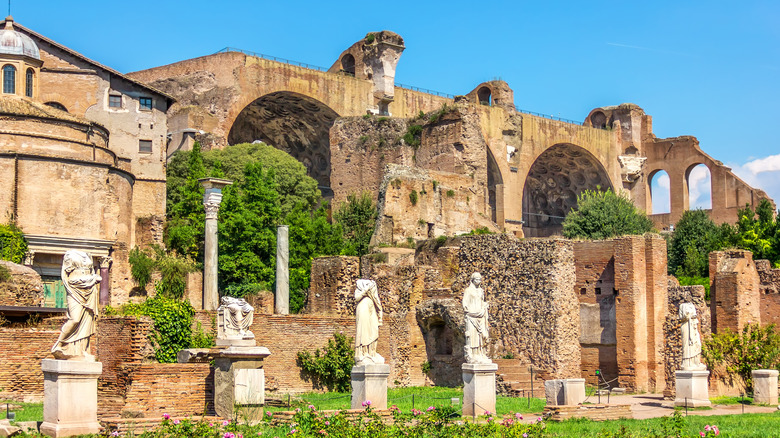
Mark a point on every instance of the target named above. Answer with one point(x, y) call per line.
point(292, 432)
point(115, 433)
point(487, 412)
point(211, 424)
point(715, 429)
point(225, 423)
point(525, 435)
point(228, 435)
point(518, 416)
point(176, 421)
point(707, 428)
point(312, 407)
point(430, 408)
point(322, 431)
point(702, 434)
point(367, 403)
point(269, 414)
point(166, 417)
point(327, 423)
point(297, 409)
point(539, 419)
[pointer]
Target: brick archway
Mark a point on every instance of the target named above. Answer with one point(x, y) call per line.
point(554, 181)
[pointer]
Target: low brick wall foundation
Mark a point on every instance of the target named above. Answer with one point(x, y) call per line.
point(591, 412)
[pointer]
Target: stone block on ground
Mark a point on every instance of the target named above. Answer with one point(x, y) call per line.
point(70, 397)
point(692, 389)
point(765, 387)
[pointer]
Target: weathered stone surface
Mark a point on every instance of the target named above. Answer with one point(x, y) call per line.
point(692, 389)
point(671, 326)
point(24, 288)
point(479, 388)
point(765, 386)
point(70, 397)
point(369, 383)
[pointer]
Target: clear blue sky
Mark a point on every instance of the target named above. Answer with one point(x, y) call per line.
point(708, 69)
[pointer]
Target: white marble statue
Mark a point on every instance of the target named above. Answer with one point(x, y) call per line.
point(691, 340)
point(235, 317)
point(476, 316)
point(81, 283)
point(368, 318)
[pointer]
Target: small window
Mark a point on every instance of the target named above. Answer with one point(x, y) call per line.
point(598, 291)
point(115, 101)
point(146, 103)
point(28, 89)
point(57, 105)
point(9, 79)
point(145, 146)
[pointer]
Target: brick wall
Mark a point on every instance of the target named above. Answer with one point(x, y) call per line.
point(152, 389)
point(22, 350)
point(734, 291)
point(769, 287)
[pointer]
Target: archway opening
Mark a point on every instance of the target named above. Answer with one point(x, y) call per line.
point(598, 120)
point(484, 96)
point(493, 179)
point(660, 199)
point(699, 182)
point(348, 64)
point(555, 179)
point(294, 123)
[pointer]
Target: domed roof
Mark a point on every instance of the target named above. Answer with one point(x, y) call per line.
point(15, 43)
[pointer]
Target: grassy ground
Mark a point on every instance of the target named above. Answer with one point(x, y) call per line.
point(745, 425)
point(415, 397)
point(28, 412)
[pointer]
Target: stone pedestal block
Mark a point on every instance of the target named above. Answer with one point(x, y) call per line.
point(564, 392)
point(369, 383)
point(765, 386)
point(479, 388)
point(70, 397)
point(239, 382)
point(692, 389)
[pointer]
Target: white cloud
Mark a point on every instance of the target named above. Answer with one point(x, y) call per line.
point(659, 188)
point(761, 173)
point(699, 188)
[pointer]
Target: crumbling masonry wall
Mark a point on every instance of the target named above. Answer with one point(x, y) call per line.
point(671, 327)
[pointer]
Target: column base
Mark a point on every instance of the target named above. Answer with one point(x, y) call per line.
point(479, 388)
point(369, 383)
point(70, 397)
point(692, 389)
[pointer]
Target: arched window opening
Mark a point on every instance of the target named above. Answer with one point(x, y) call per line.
point(699, 184)
point(28, 89)
point(598, 120)
point(660, 199)
point(348, 64)
point(57, 105)
point(9, 79)
point(484, 96)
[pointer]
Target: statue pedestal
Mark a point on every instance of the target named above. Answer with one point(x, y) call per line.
point(369, 383)
point(70, 397)
point(564, 392)
point(479, 388)
point(692, 389)
point(765, 387)
point(239, 382)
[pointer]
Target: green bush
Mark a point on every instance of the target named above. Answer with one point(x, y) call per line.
point(172, 326)
point(694, 281)
point(754, 348)
point(603, 215)
point(173, 270)
point(331, 367)
point(695, 236)
point(13, 245)
point(357, 218)
point(413, 197)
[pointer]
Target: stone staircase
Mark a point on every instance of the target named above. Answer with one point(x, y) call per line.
point(513, 379)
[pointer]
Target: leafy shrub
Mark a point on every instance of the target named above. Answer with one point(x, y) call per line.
point(695, 236)
point(370, 37)
point(13, 245)
point(450, 193)
point(694, 281)
point(413, 136)
point(331, 367)
point(172, 268)
point(603, 215)
point(172, 325)
point(413, 197)
point(244, 289)
point(754, 348)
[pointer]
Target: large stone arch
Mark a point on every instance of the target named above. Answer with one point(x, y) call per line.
point(293, 122)
point(557, 176)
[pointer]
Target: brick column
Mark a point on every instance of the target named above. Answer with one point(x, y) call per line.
point(631, 312)
point(657, 301)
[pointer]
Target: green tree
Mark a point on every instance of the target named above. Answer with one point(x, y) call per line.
point(604, 214)
point(357, 217)
point(759, 232)
point(173, 270)
point(185, 213)
point(695, 236)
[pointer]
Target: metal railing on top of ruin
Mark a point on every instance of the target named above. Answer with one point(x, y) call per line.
point(273, 58)
point(397, 84)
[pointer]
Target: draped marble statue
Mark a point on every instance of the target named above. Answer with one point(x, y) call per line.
point(235, 317)
point(368, 318)
point(81, 283)
point(476, 319)
point(691, 339)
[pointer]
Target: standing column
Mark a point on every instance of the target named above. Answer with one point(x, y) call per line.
point(105, 264)
point(211, 200)
point(282, 306)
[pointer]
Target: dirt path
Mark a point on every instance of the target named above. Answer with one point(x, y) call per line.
point(653, 405)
